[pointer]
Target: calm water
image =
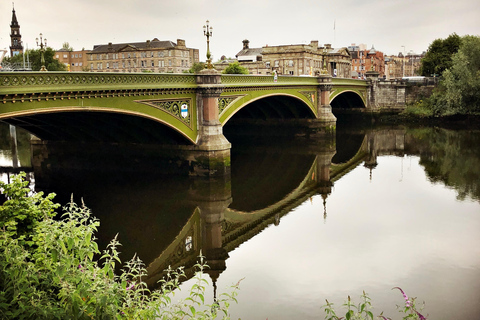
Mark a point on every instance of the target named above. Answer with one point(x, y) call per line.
point(401, 208)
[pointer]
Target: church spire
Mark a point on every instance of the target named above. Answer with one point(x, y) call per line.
point(16, 46)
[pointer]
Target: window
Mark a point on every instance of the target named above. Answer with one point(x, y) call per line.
point(80, 64)
point(290, 72)
point(108, 65)
point(72, 55)
point(65, 56)
point(290, 63)
point(161, 63)
point(91, 66)
point(276, 63)
point(56, 57)
point(79, 55)
point(152, 63)
point(169, 63)
point(76, 55)
point(128, 55)
point(267, 64)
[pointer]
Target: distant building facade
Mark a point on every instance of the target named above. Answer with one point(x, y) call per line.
point(74, 60)
point(401, 65)
point(364, 60)
point(300, 59)
point(16, 46)
point(148, 56)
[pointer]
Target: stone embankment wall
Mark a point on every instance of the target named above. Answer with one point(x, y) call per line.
point(395, 95)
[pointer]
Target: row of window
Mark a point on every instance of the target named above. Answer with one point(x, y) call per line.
point(290, 63)
point(135, 63)
point(141, 54)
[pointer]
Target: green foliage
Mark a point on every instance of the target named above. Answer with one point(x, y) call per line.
point(361, 311)
point(48, 269)
point(34, 56)
point(67, 46)
point(461, 94)
point(235, 68)
point(439, 55)
point(196, 68)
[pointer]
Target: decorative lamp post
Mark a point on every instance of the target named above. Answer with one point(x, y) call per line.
point(403, 68)
point(207, 31)
point(324, 70)
point(42, 45)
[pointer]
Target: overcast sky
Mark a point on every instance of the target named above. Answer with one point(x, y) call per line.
point(386, 24)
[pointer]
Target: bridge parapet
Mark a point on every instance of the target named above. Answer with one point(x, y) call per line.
point(41, 82)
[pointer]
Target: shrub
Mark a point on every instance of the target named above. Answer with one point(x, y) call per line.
point(49, 270)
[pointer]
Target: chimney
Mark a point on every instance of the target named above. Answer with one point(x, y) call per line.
point(314, 44)
point(148, 43)
point(181, 43)
point(245, 44)
point(328, 46)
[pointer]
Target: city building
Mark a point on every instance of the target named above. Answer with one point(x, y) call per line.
point(16, 46)
point(149, 56)
point(74, 60)
point(297, 59)
point(364, 60)
point(397, 67)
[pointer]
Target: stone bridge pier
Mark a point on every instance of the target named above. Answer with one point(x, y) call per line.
point(212, 152)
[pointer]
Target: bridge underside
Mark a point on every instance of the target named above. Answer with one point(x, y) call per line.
point(97, 127)
point(347, 100)
point(268, 117)
point(274, 107)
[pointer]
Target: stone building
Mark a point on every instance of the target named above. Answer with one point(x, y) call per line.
point(74, 60)
point(364, 60)
point(397, 67)
point(299, 59)
point(149, 56)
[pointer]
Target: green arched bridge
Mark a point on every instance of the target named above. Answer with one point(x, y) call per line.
point(183, 111)
point(44, 103)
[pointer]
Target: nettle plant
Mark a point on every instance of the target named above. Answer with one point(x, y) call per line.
point(48, 268)
point(362, 311)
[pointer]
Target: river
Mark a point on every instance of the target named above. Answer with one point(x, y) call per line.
point(383, 207)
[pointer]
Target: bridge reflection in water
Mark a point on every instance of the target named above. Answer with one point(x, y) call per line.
point(168, 221)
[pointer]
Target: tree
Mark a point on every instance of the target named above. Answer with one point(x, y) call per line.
point(34, 56)
point(67, 46)
point(196, 68)
point(460, 92)
point(439, 55)
point(235, 68)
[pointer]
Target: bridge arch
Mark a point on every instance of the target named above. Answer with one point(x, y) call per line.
point(347, 99)
point(97, 124)
point(270, 106)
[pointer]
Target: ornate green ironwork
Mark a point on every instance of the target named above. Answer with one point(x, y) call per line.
point(173, 107)
point(223, 102)
point(310, 95)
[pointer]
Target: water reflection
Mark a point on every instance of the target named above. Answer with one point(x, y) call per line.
point(302, 223)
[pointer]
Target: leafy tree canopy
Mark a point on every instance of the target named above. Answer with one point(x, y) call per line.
point(439, 55)
point(67, 46)
point(34, 56)
point(196, 68)
point(462, 81)
point(235, 68)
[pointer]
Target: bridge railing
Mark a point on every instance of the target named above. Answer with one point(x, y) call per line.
point(231, 80)
point(27, 82)
point(349, 82)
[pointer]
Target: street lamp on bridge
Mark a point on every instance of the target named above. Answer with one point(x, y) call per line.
point(207, 31)
point(42, 45)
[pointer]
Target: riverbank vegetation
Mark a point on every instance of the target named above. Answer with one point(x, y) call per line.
point(49, 270)
point(457, 61)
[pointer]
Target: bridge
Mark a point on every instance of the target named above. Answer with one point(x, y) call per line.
point(185, 111)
